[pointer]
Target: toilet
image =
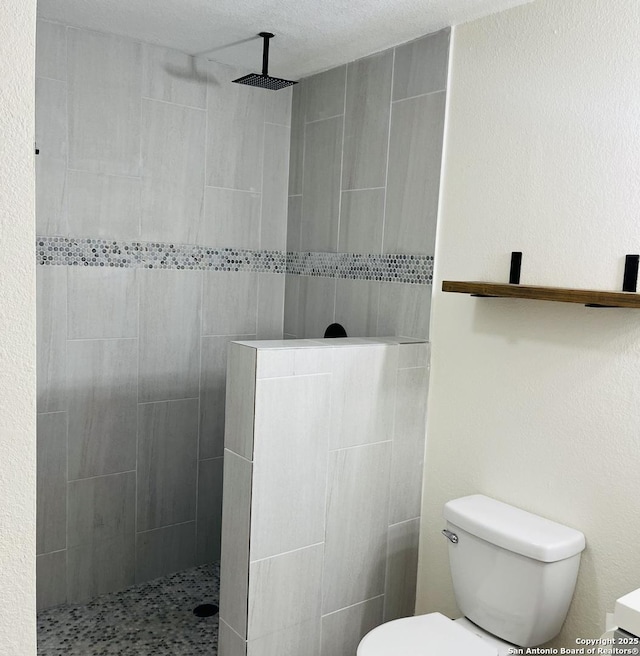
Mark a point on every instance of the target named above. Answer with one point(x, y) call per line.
point(513, 576)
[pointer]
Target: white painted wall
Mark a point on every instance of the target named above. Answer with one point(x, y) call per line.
point(538, 404)
point(17, 330)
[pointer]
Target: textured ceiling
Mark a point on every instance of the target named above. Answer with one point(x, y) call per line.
point(311, 35)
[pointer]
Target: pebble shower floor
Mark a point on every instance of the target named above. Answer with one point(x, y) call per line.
point(151, 619)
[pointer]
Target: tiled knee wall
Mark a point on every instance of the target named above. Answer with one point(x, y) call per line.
point(324, 448)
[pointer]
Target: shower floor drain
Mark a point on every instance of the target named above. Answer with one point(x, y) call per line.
point(205, 610)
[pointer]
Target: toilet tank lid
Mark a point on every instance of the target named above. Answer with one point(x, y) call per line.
point(514, 529)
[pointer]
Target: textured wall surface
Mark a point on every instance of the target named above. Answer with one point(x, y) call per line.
point(537, 404)
point(17, 330)
point(323, 476)
point(161, 206)
point(364, 175)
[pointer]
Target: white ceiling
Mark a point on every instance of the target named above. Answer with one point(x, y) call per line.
point(311, 35)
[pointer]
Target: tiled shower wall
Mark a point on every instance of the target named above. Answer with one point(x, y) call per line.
point(366, 151)
point(161, 210)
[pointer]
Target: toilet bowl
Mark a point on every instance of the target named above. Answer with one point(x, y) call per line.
point(431, 635)
point(513, 577)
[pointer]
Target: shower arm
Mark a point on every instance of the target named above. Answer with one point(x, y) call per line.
point(265, 52)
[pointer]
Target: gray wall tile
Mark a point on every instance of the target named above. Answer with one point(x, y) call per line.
point(51, 580)
point(174, 77)
point(316, 305)
point(102, 406)
point(343, 630)
point(234, 145)
point(105, 74)
point(51, 119)
point(164, 551)
point(101, 206)
point(294, 221)
point(321, 187)
point(292, 319)
point(234, 561)
point(167, 463)
point(231, 218)
point(361, 221)
point(415, 154)
point(404, 310)
point(52, 483)
point(210, 485)
point(356, 534)
point(213, 393)
point(297, 576)
point(304, 638)
point(363, 395)
point(325, 94)
point(303, 359)
point(296, 152)
point(51, 163)
point(169, 335)
point(229, 642)
point(275, 177)
point(414, 355)
point(402, 570)
point(51, 207)
point(408, 444)
point(102, 303)
point(366, 127)
point(421, 65)
point(101, 535)
point(357, 306)
point(51, 336)
point(222, 314)
point(292, 424)
point(270, 305)
point(278, 107)
point(173, 151)
point(51, 50)
point(240, 401)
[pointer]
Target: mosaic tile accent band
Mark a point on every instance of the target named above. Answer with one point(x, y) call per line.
point(154, 255)
point(66, 251)
point(411, 269)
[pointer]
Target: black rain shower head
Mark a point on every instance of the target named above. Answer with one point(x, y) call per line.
point(265, 81)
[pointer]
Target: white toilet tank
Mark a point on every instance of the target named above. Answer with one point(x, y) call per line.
point(513, 572)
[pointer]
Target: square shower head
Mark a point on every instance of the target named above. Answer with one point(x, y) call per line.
point(265, 81)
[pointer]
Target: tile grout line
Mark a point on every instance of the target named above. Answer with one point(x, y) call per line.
point(342, 141)
point(189, 398)
point(135, 509)
point(199, 419)
point(420, 95)
point(286, 553)
point(161, 528)
point(91, 478)
point(360, 446)
point(326, 118)
point(175, 104)
point(358, 603)
point(386, 181)
point(66, 343)
point(393, 449)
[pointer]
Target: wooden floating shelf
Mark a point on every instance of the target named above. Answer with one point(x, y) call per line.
point(589, 297)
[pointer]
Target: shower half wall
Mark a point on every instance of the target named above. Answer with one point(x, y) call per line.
point(161, 238)
point(324, 450)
